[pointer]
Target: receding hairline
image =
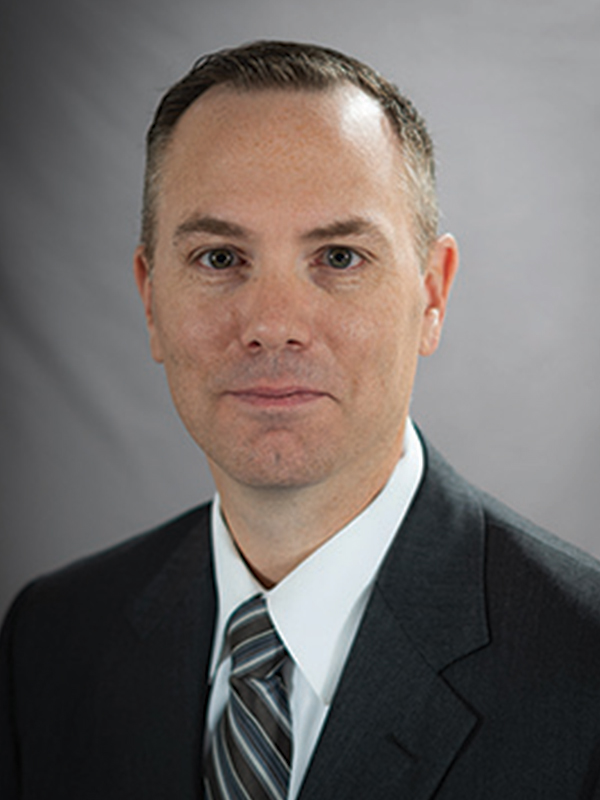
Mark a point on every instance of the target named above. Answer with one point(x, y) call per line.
point(294, 67)
point(231, 87)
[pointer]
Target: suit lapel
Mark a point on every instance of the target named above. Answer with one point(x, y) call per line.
point(155, 685)
point(396, 726)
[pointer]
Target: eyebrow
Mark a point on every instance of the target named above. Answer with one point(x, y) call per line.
point(354, 226)
point(208, 224)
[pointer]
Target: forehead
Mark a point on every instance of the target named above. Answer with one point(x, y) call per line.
point(274, 146)
point(344, 104)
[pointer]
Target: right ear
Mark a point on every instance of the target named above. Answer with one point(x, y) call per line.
point(143, 278)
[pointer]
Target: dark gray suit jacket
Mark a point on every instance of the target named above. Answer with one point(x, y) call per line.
point(475, 673)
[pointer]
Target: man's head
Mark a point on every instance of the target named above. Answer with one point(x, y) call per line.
point(298, 67)
point(285, 290)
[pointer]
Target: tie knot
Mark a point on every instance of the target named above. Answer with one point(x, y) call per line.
point(256, 648)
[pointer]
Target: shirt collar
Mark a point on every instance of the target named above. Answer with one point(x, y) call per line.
point(313, 606)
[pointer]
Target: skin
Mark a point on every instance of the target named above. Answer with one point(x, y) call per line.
point(288, 307)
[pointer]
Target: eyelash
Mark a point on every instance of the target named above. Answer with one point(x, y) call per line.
point(237, 260)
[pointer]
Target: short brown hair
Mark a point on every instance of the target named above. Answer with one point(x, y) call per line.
point(296, 66)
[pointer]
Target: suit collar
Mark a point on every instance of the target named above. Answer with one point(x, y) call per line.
point(186, 572)
point(433, 580)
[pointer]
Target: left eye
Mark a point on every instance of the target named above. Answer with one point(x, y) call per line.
point(341, 257)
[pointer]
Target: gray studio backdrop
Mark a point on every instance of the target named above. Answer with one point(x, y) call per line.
point(91, 450)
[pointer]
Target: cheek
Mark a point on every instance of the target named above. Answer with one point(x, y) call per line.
point(190, 332)
point(381, 347)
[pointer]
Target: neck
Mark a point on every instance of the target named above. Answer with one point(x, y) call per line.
point(276, 528)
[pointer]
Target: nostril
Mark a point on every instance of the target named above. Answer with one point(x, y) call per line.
point(258, 344)
point(275, 331)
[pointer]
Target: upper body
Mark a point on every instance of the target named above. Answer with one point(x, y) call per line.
point(473, 672)
point(292, 275)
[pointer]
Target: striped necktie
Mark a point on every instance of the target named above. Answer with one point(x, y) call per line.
point(251, 749)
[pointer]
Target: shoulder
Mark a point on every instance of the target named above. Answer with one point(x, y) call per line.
point(77, 644)
point(519, 552)
point(91, 590)
point(541, 593)
point(514, 545)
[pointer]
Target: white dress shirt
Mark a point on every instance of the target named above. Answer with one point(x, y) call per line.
point(317, 608)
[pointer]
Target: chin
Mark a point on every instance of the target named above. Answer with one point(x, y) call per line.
point(274, 470)
point(278, 458)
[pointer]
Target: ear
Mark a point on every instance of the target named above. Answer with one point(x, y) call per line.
point(438, 277)
point(143, 279)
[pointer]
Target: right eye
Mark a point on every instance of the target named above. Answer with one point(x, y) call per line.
point(219, 258)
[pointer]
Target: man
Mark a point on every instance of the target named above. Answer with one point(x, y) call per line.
point(349, 618)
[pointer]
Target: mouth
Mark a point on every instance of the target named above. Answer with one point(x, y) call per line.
point(277, 397)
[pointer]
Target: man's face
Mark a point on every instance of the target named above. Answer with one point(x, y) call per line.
point(286, 300)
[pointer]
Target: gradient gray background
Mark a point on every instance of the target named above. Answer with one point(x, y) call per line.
point(91, 449)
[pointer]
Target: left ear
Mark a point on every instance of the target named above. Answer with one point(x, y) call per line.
point(438, 277)
point(143, 278)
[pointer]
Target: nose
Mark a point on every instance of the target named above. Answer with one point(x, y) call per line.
point(277, 313)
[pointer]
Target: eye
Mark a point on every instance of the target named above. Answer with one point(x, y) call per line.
point(219, 258)
point(341, 257)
